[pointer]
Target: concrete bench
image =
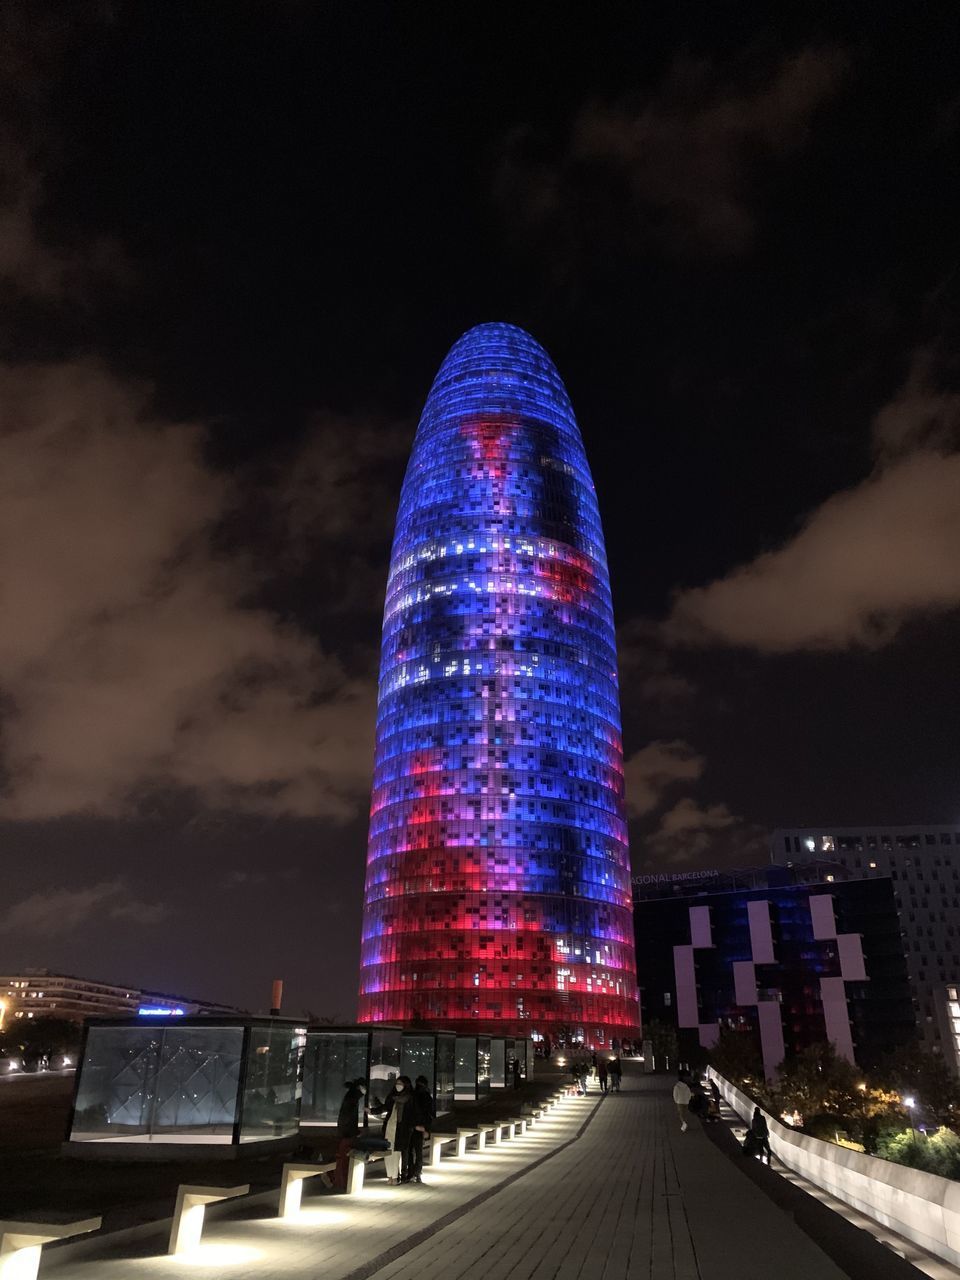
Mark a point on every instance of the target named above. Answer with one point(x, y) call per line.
point(497, 1131)
point(482, 1134)
point(187, 1226)
point(21, 1242)
point(356, 1167)
point(462, 1136)
point(519, 1125)
point(291, 1184)
point(437, 1143)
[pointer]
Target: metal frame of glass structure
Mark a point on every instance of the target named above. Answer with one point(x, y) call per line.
point(498, 879)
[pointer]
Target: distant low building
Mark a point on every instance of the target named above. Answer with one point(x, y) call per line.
point(793, 955)
point(923, 864)
point(41, 993)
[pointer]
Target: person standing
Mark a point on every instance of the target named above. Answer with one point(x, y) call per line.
point(616, 1072)
point(349, 1122)
point(602, 1070)
point(681, 1097)
point(424, 1113)
point(397, 1128)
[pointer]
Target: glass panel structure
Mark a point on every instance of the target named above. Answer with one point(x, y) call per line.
point(384, 1060)
point(498, 1063)
point(272, 1085)
point(418, 1056)
point(466, 1069)
point(498, 880)
point(332, 1058)
point(446, 1068)
point(181, 1084)
point(483, 1067)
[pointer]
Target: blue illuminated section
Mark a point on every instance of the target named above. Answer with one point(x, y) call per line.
point(155, 1011)
point(498, 877)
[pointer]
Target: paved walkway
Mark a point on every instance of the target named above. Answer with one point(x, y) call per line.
point(600, 1190)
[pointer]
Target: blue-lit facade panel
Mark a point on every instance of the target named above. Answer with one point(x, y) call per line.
point(498, 877)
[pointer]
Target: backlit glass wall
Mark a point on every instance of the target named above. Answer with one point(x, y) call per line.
point(498, 881)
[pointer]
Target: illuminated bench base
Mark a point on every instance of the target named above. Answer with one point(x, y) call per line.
point(187, 1226)
point(21, 1243)
point(291, 1184)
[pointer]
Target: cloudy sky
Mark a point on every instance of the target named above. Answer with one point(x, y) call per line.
point(236, 241)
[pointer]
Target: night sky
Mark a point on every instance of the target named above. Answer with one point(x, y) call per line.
point(236, 241)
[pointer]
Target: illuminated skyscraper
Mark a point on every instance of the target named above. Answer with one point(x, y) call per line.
point(498, 875)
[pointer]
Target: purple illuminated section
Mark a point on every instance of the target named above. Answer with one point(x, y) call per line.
point(498, 876)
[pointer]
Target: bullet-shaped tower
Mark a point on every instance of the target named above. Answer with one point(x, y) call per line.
point(498, 874)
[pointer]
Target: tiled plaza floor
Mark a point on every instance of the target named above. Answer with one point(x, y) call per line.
point(629, 1197)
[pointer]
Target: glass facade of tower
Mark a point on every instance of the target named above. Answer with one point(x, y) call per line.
point(498, 878)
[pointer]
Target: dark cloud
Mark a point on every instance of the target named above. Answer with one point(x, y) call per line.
point(36, 261)
point(650, 772)
point(865, 561)
point(131, 655)
point(57, 911)
point(688, 830)
point(679, 168)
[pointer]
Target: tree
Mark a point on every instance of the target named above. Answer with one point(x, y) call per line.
point(913, 1069)
point(819, 1082)
point(736, 1056)
point(664, 1044)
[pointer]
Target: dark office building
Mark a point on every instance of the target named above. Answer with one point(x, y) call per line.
point(924, 864)
point(798, 955)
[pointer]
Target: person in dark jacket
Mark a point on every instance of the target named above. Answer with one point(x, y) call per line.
point(602, 1068)
point(398, 1125)
point(761, 1134)
point(616, 1072)
point(349, 1123)
point(424, 1112)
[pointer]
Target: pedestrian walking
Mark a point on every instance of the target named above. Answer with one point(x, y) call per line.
point(424, 1113)
point(398, 1126)
point(602, 1072)
point(349, 1123)
point(615, 1070)
point(761, 1134)
point(575, 1072)
point(583, 1075)
point(682, 1096)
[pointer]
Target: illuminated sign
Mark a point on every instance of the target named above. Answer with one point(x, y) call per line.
point(154, 1011)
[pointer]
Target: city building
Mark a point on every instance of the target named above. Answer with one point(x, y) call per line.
point(795, 956)
point(498, 878)
point(923, 862)
point(39, 993)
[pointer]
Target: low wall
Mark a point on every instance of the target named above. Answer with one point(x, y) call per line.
point(919, 1206)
